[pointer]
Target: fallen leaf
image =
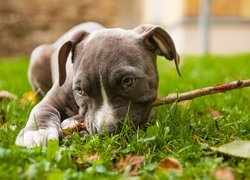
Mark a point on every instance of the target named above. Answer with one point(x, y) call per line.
point(28, 98)
point(237, 148)
point(91, 157)
point(130, 163)
point(84, 159)
point(7, 95)
point(213, 113)
point(224, 173)
point(170, 164)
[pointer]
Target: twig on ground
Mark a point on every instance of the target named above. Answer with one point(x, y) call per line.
point(201, 92)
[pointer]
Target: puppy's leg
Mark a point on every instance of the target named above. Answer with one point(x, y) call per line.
point(44, 122)
point(43, 125)
point(39, 72)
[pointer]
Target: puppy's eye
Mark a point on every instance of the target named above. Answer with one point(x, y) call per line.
point(79, 90)
point(127, 81)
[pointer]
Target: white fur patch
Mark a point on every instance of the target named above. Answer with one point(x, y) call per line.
point(36, 138)
point(104, 116)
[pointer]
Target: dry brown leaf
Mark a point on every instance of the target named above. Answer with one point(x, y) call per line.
point(170, 164)
point(28, 98)
point(224, 173)
point(91, 157)
point(213, 113)
point(131, 162)
point(7, 95)
point(84, 159)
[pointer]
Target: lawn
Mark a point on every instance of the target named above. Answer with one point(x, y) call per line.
point(182, 131)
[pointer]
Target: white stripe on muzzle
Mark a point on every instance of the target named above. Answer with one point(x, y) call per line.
point(104, 116)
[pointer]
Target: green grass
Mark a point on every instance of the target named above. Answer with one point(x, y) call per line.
point(169, 134)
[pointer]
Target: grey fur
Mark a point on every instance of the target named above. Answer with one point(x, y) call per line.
point(86, 67)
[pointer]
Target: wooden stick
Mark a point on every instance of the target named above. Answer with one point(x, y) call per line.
point(201, 92)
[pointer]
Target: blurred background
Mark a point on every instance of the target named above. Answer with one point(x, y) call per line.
point(197, 26)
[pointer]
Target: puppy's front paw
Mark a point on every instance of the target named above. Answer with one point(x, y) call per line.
point(40, 137)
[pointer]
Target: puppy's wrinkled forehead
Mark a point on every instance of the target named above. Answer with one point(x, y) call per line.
point(113, 44)
point(109, 48)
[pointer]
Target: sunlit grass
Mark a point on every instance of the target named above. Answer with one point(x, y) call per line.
point(169, 134)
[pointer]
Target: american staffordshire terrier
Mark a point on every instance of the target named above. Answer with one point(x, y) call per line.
point(96, 76)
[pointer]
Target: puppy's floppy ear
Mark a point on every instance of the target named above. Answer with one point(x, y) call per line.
point(159, 41)
point(66, 48)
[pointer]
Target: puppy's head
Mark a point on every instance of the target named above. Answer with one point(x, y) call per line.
point(115, 74)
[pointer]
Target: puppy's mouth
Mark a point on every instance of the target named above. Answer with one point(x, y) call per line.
point(100, 124)
point(111, 120)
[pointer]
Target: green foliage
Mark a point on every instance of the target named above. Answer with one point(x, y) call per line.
point(170, 134)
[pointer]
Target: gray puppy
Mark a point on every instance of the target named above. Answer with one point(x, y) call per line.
point(96, 76)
